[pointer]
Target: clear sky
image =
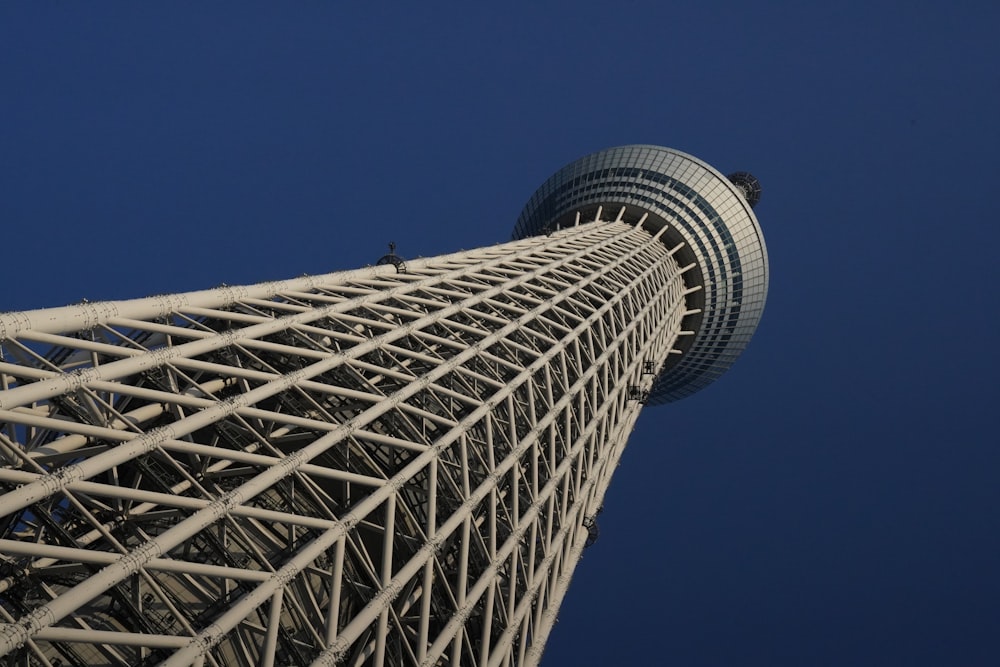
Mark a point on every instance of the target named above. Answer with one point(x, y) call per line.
point(834, 499)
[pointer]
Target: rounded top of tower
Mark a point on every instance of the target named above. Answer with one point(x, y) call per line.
point(711, 214)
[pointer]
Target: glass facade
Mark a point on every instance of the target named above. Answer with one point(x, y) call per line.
point(701, 208)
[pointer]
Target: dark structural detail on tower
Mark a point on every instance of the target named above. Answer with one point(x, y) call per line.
point(748, 185)
point(392, 258)
point(397, 465)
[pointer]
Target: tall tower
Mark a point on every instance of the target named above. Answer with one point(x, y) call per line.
point(398, 465)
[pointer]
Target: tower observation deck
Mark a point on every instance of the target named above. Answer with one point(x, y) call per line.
point(397, 465)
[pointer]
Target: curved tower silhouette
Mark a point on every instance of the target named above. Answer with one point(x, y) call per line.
point(398, 465)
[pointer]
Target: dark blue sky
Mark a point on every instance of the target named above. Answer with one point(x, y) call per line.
point(833, 500)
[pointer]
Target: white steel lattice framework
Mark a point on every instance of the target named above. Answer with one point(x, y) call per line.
point(398, 465)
